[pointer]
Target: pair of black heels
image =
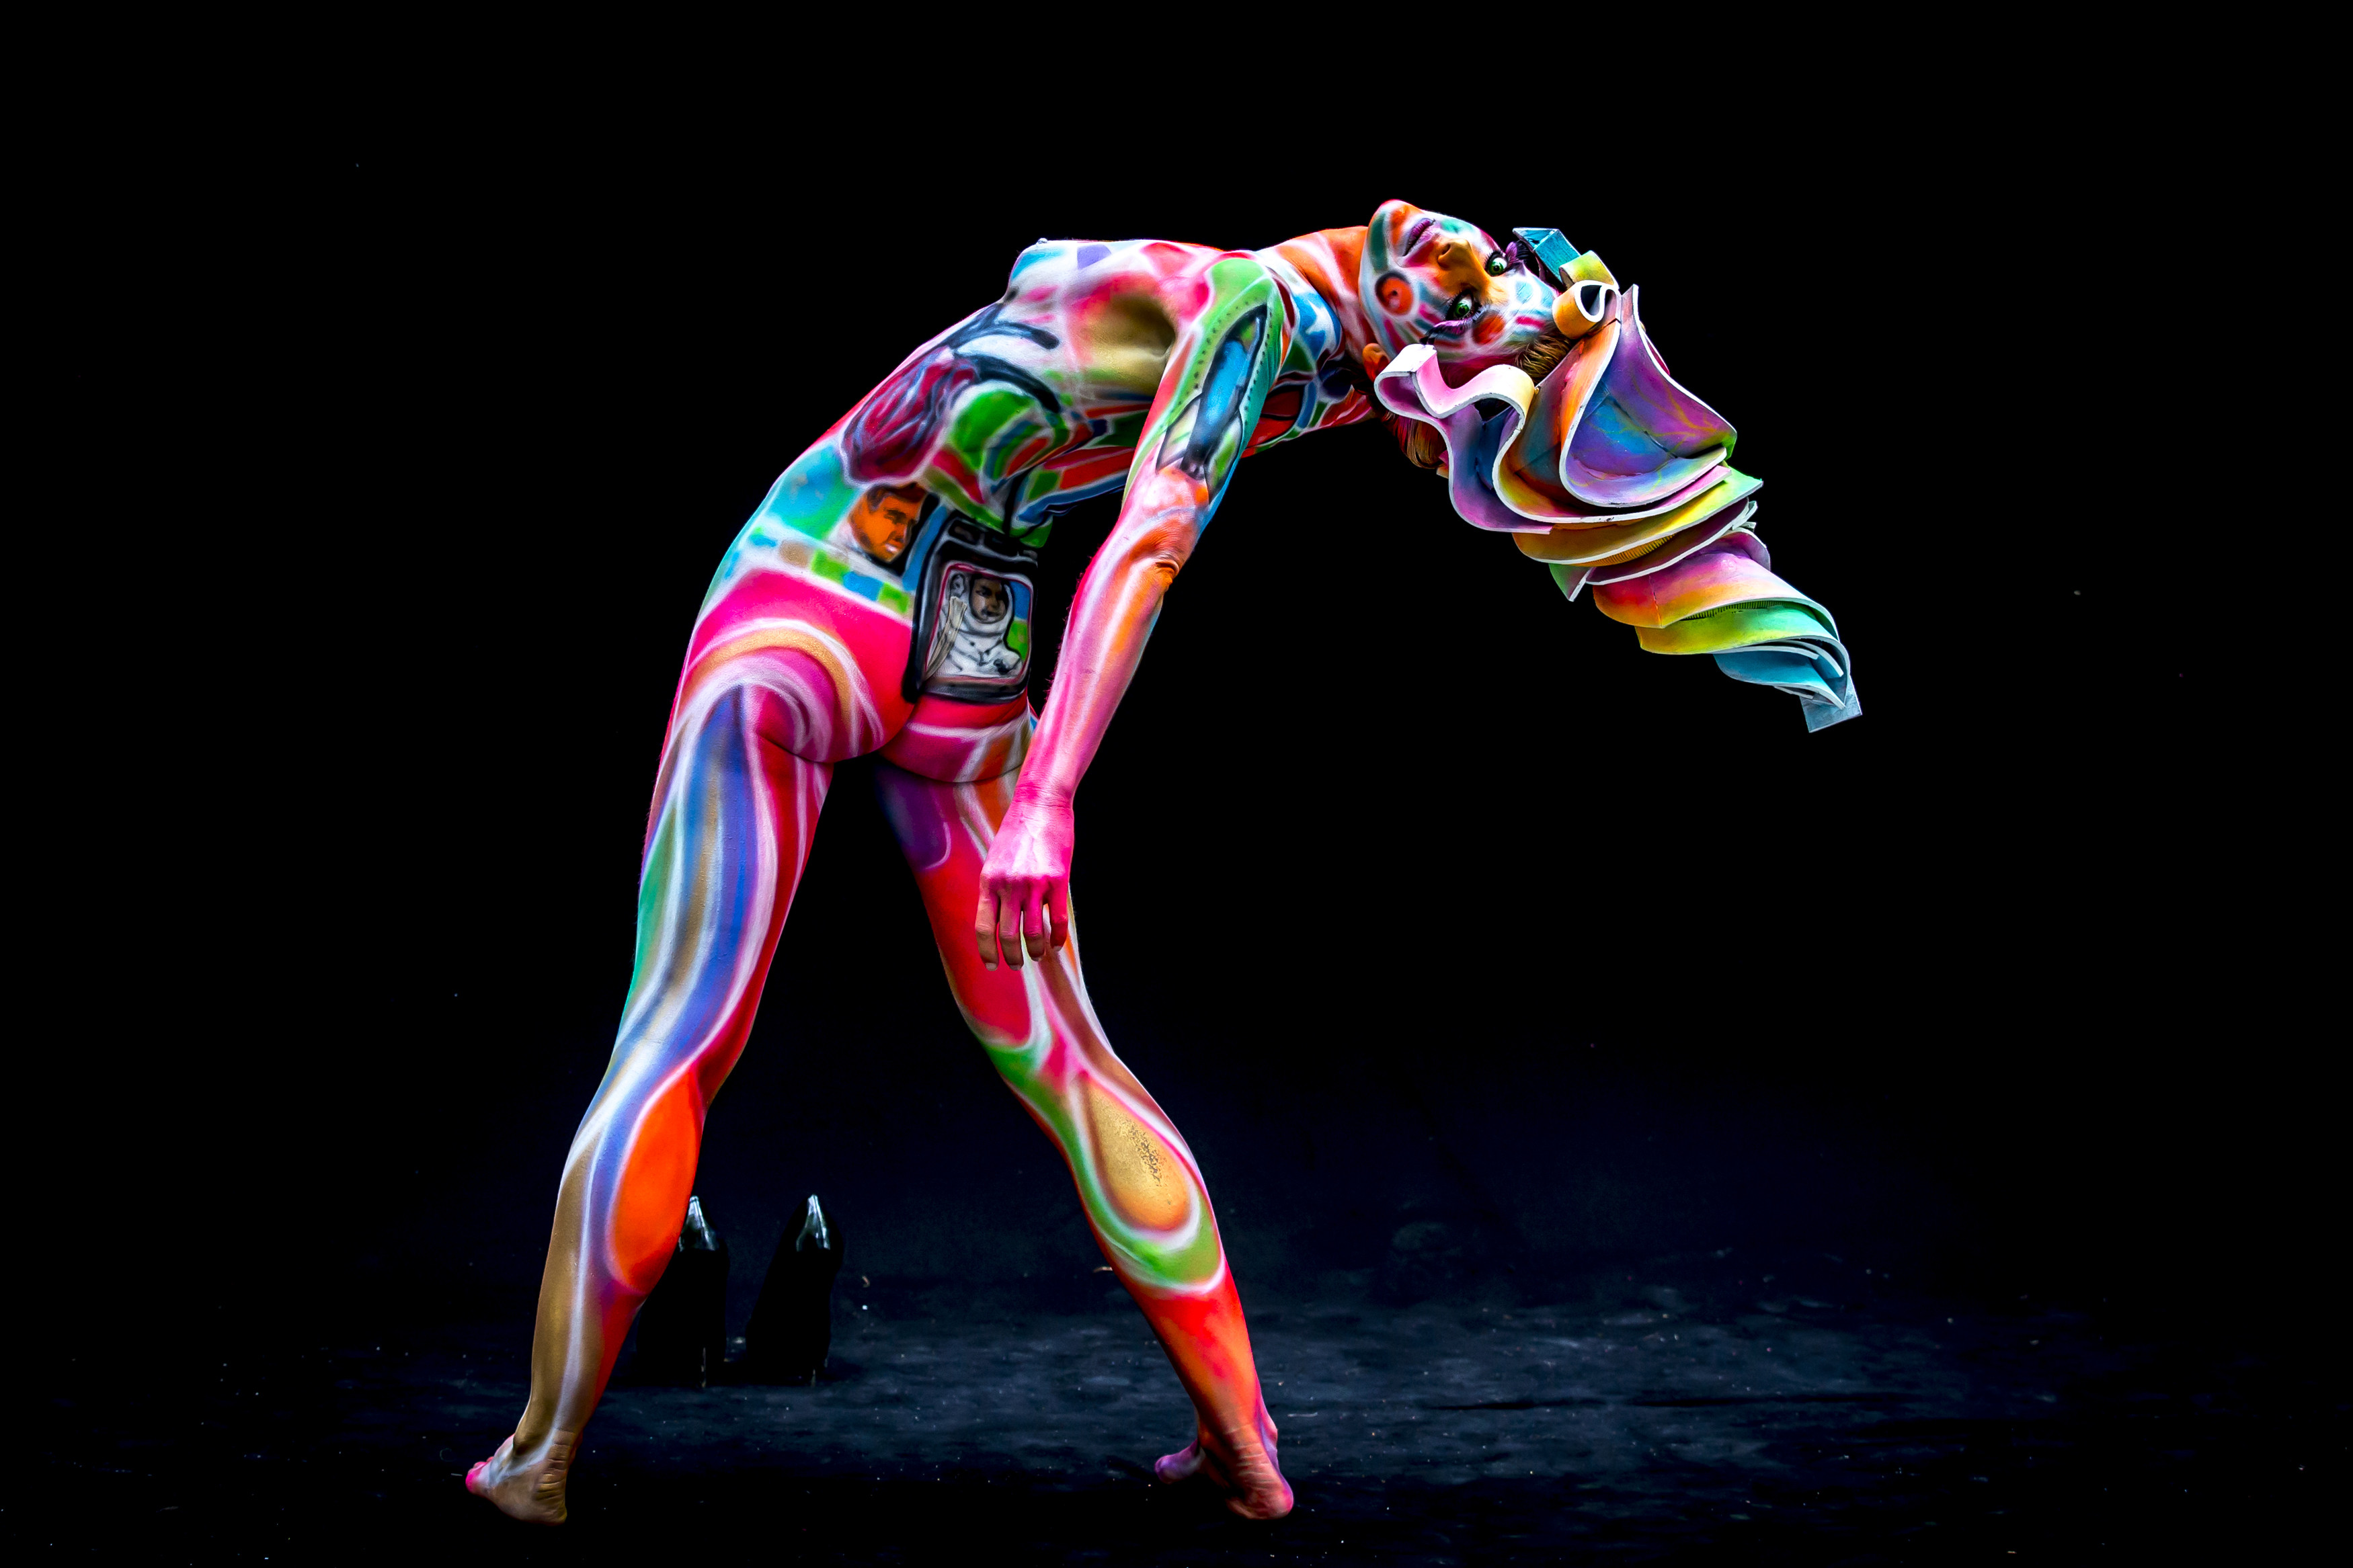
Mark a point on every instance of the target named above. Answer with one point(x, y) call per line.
point(682, 1334)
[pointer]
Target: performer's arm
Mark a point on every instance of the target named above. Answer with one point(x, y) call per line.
point(1217, 374)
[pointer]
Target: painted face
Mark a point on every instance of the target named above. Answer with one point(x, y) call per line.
point(882, 516)
point(1427, 278)
point(989, 602)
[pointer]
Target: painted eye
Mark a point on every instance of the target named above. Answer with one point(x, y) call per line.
point(1498, 264)
point(1463, 308)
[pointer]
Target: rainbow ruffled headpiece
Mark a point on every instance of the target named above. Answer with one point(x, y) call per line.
point(1615, 475)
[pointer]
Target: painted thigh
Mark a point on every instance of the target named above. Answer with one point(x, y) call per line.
point(1141, 1190)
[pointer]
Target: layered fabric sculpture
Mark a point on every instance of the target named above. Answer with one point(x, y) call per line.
point(1617, 479)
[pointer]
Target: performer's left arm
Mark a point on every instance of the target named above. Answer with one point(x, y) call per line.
point(1231, 338)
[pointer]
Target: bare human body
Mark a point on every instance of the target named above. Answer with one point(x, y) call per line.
point(879, 603)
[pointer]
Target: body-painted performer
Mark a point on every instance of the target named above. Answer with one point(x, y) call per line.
point(879, 602)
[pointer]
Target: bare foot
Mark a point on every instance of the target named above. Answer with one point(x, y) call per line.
point(531, 1487)
point(1241, 1465)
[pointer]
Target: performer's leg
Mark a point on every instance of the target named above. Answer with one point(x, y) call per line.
point(733, 813)
point(1142, 1191)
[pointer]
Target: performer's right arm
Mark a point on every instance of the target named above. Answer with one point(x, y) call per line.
point(1232, 337)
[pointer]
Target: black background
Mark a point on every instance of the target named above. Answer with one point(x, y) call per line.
point(389, 474)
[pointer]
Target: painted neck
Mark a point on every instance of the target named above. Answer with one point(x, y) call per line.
point(1328, 260)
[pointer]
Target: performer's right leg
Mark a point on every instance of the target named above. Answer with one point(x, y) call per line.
point(733, 813)
point(1137, 1181)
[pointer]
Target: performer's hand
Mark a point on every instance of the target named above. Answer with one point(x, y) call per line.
point(1025, 884)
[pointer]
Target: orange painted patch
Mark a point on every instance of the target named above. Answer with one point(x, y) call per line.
point(651, 1203)
point(1395, 294)
point(1144, 1179)
point(883, 517)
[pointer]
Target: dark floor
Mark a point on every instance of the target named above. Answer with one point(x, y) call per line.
point(1791, 1410)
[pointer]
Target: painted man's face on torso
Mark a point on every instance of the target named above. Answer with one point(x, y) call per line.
point(883, 517)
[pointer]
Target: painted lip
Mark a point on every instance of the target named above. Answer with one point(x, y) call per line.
point(1414, 234)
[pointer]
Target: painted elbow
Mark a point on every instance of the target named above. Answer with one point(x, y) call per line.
point(1162, 553)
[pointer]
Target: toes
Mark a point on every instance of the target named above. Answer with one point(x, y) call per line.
point(1180, 1466)
point(519, 1495)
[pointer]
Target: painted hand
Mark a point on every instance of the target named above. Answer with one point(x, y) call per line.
point(1025, 884)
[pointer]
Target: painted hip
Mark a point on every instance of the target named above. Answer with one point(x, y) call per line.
point(905, 627)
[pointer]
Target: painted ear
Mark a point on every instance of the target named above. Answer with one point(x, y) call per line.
point(1377, 359)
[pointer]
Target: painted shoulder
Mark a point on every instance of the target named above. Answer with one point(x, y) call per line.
point(1187, 279)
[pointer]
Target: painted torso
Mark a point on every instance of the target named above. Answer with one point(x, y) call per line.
point(1031, 405)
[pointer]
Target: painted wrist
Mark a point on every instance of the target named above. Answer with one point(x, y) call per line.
point(1040, 796)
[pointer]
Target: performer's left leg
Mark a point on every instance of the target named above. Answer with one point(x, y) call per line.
point(1141, 1189)
point(734, 815)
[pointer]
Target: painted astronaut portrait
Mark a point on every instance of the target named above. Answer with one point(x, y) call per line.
point(975, 640)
